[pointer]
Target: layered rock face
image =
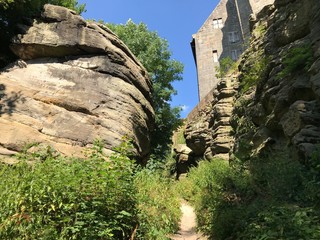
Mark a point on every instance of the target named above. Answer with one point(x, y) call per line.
point(281, 115)
point(208, 132)
point(75, 82)
point(276, 110)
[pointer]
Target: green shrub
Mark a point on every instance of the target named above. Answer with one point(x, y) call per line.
point(65, 198)
point(260, 30)
point(180, 139)
point(254, 73)
point(226, 65)
point(259, 198)
point(297, 59)
point(216, 192)
point(47, 196)
point(289, 222)
point(158, 206)
point(266, 172)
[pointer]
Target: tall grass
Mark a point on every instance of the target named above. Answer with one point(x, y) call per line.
point(269, 198)
point(47, 196)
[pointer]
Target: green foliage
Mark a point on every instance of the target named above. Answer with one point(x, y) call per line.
point(254, 73)
point(312, 190)
point(288, 222)
point(158, 205)
point(259, 198)
point(154, 54)
point(226, 65)
point(216, 192)
point(297, 59)
point(260, 30)
point(47, 196)
point(64, 198)
point(179, 135)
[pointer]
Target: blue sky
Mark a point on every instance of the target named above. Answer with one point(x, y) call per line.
point(174, 20)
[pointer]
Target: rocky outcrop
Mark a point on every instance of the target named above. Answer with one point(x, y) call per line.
point(75, 82)
point(273, 107)
point(208, 132)
point(282, 112)
point(184, 159)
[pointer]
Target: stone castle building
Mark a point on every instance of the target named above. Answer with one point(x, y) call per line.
point(223, 34)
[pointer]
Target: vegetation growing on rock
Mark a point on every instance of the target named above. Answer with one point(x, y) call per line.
point(270, 187)
point(297, 59)
point(225, 65)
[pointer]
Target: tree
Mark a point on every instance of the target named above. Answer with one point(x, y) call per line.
point(153, 52)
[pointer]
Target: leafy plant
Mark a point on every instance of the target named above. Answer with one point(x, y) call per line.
point(259, 198)
point(179, 136)
point(226, 65)
point(48, 196)
point(65, 198)
point(254, 73)
point(260, 30)
point(216, 192)
point(158, 205)
point(288, 222)
point(297, 59)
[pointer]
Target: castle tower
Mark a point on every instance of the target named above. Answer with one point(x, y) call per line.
point(222, 35)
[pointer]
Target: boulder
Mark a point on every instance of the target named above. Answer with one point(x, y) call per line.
point(209, 135)
point(75, 82)
point(184, 159)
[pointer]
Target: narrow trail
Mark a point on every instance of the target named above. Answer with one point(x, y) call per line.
point(188, 224)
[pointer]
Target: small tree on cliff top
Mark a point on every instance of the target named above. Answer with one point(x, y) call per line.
point(153, 52)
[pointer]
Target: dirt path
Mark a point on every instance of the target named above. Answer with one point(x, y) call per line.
point(187, 225)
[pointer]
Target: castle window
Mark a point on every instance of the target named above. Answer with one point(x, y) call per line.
point(234, 37)
point(215, 56)
point(217, 23)
point(235, 54)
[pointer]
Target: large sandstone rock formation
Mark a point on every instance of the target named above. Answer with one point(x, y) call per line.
point(75, 82)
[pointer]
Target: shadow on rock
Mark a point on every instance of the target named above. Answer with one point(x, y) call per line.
point(8, 101)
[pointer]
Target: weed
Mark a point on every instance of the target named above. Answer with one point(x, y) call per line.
point(296, 59)
point(216, 193)
point(254, 73)
point(226, 65)
point(158, 205)
point(47, 196)
point(261, 198)
point(260, 30)
point(180, 139)
point(65, 198)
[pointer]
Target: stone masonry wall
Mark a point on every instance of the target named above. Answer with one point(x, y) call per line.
point(222, 35)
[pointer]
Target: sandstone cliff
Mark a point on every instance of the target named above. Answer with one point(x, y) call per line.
point(276, 109)
point(75, 82)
